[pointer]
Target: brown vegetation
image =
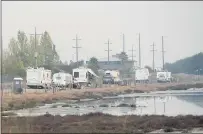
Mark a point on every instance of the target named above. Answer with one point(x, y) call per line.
point(97, 123)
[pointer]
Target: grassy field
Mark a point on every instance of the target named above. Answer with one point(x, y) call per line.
point(12, 101)
point(99, 123)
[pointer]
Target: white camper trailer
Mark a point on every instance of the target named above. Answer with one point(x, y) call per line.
point(142, 75)
point(164, 77)
point(38, 77)
point(83, 76)
point(62, 79)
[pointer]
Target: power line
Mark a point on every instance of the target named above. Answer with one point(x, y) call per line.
point(132, 51)
point(108, 49)
point(163, 52)
point(36, 54)
point(76, 47)
point(153, 50)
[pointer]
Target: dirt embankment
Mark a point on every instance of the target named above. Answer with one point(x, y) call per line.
point(98, 123)
point(29, 100)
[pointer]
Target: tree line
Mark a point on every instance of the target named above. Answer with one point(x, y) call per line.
point(189, 65)
point(20, 53)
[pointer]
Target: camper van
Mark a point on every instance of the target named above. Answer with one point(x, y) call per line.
point(62, 79)
point(142, 75)
point(38, 78)
point(83, 76)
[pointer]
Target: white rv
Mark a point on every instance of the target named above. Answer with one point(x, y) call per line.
point(83, 76)
point(164, 77)
point(38, 77)
point(62, 79)
point(142, 75)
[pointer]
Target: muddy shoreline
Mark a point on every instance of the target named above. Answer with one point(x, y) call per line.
point(98, 123)
point(30, 100)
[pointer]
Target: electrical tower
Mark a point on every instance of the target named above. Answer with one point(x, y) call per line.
point(36, 53)
point(153, 50)
point(108, 50)
point(163, 51)
point(76, 47)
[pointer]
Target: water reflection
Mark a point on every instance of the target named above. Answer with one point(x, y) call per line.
point(179, 103)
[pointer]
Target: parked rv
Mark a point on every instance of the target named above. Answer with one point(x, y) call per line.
point(38, 78)
point(164, 76)
point(83, 77)
point(62, 79)
point(142, 75)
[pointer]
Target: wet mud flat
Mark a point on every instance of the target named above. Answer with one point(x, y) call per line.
point(101, 123)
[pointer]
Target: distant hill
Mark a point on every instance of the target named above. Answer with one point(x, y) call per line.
point(187, 65)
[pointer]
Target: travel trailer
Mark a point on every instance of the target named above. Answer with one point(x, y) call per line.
point(164, 76)
point(142, 75)
point(38, 78)
point(83, 77)
point(62, 79)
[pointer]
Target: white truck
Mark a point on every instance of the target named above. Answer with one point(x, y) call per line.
point(164, 76)
point(62, 79)
point(114, 74)
point(83, 77)
point(142, 75)
point(38, 78)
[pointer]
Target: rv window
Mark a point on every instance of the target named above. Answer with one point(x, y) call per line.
point(76, 74)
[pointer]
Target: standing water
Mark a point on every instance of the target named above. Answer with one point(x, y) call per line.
point(169, 103)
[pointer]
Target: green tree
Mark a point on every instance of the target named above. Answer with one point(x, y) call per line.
point(123, 56)
point(20, 53)
point(47, 50)
point(93, 64)
point(149, 68)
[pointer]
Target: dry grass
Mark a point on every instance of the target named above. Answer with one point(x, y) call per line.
point(97, 123)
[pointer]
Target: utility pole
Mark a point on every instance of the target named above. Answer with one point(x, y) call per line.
point(133, 74)
point(108, 50)
point(163, 51)
point(2, 89)
point(76, 47)
point(139, 52)
point(123, 43)
point(132, 51)
point(36, 54)
point(153, 50)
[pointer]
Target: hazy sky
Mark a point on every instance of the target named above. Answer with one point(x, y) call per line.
point(96, 21)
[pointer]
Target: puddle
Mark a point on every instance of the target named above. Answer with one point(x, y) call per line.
point(169, 103)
